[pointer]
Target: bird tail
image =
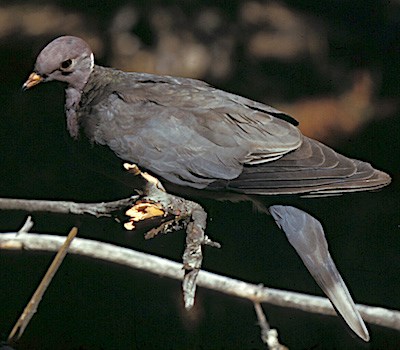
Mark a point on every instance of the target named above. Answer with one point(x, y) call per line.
point(306, 235)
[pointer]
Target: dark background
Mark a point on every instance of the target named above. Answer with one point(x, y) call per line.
point(334, 65)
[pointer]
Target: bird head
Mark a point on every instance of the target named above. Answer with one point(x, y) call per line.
point(67, 59)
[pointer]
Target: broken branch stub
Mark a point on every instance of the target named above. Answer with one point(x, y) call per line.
point(156, 202)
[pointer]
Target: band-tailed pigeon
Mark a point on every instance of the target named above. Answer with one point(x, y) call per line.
point(194, 135)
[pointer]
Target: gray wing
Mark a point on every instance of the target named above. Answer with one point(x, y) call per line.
point(195, 135)
point(313, 169)
point(188, 132)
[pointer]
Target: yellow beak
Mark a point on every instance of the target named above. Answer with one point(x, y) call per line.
point(33, 80)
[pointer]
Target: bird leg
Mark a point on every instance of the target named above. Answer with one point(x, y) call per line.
point(156, 202)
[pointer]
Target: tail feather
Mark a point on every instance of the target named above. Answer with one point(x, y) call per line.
point(306, 235)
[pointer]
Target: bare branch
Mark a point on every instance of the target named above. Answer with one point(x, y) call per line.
point(155, 201)
point(167, 268)
point(65, 207)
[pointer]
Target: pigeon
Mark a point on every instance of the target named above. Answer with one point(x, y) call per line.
point(194, 135)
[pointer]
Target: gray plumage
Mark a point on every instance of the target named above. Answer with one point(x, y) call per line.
point(193, 134)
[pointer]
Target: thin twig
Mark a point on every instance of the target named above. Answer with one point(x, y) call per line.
point(33, 304)
point(26, 227)
point(163, 267)
point(268, 336)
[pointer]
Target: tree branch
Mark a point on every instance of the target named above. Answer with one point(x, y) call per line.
point(155, 201)
point(65, 207)
point(163, 267)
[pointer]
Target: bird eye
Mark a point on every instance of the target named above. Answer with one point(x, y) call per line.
point(66, 64)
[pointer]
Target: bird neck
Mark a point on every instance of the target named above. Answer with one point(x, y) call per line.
point(83, 94)
point(73, 94)
point(73, 97)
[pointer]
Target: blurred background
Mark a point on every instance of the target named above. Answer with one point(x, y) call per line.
point(333, 65)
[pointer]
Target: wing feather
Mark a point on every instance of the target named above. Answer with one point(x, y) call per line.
point(190, 134)
point(194, 135)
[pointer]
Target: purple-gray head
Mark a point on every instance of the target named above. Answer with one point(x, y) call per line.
point(68, 59)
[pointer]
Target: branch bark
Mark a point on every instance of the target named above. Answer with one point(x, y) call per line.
point(163, 267)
